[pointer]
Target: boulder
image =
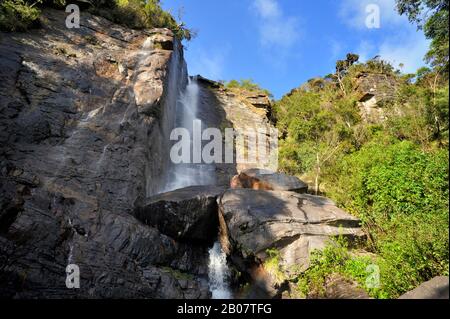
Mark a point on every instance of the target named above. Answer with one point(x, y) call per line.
point(268, 180)
point(293, 224)
point(184, 214)
point(436, 288)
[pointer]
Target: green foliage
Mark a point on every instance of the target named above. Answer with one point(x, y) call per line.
point(248, 85)
point(401, 195)
point(392, 174)
point(420, 113)
point(432, 16)
point(20, 15)
point(336, 258)
point(272, 265)
point(343, 65)
point(141, 14)
point(17, 15)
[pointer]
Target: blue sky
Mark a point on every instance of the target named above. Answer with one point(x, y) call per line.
point(282, 43)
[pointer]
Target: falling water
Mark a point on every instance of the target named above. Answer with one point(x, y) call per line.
point(70, 256)
point(186, 174)
point(218, 273)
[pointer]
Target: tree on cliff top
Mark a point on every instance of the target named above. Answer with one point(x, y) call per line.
point(342, 68)
point(248, 85)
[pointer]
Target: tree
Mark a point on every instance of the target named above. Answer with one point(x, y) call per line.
point(432, 17)
point(342, 68)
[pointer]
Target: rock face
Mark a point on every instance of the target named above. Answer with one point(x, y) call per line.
point(257, 99)
point(374, 91)
point(84, 115)
point(254, 177)
point(230, 110)
point(294, 224)
point(436, 288)
point(244, 112)
point(187, 214)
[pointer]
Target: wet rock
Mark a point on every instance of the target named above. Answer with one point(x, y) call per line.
point(188, 214)
point(162, 41)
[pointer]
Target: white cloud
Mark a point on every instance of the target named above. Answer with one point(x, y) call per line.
point(276, 29)
point(408, 49)
point(353, 13)
point(409, 52)
point(267, 8)
point(366, 50)
point(398, 40)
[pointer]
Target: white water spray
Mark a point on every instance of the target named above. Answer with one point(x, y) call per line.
point(218, 273)
point(184, 175)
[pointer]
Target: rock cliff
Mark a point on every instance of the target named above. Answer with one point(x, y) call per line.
point(83, 116)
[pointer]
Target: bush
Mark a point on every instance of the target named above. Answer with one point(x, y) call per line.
point(140, 14)
point(17, 15)
point(401, 195)
point(247, 85)
point(337, 259)
point(20, 15)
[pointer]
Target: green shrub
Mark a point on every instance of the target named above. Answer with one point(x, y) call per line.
point(17, 15)
point(392, 174)
point(247, 85)
point(140, 14)
point(336, 258)
point(401, 195)
point(20, 15)
point(272, 265)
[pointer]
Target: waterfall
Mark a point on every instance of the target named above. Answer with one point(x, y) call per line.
point(218, 273)
point(189, 174)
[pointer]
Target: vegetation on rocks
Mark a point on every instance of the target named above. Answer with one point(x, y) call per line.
point(246, 85)
point(336, 259)
point(391, 171)
point(20, 15)
point(17, 15)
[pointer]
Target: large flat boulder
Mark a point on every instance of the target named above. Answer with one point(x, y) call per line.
point(294, 224)
point(184, 214)
point(257, 178)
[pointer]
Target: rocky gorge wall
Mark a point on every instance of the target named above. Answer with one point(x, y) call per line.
point(84, 113)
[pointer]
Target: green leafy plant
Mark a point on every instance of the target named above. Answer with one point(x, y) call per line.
point(18, 15)
point(247, 85)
